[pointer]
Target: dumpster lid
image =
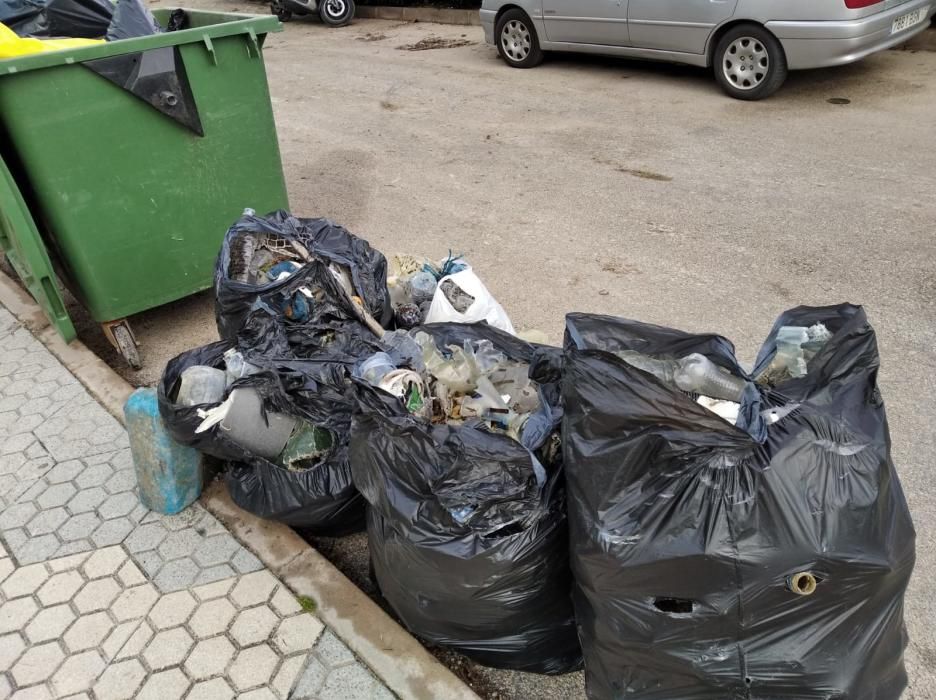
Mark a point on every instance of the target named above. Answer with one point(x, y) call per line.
point(203, 27)
point(26, 251)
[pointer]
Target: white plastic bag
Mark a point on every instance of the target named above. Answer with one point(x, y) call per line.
point(483, 308)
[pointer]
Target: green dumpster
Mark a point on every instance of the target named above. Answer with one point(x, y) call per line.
point(123, 164)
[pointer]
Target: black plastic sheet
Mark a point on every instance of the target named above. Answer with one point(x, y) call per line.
point(688, 533)
point(132, 19)
point(236, 300)
point(321, 500)
point(87, 19)
point(469, 548)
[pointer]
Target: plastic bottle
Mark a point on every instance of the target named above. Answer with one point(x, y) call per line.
point(699, 375)
point(200, 385)
point(375, 368)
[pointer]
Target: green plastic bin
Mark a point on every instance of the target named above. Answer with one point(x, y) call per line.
point(128, 161)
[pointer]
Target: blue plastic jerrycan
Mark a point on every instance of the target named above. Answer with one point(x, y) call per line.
point(169, 475)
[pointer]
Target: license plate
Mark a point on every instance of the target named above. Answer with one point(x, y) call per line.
point(909, 20)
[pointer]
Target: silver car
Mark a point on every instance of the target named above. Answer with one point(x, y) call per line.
point(751, 44)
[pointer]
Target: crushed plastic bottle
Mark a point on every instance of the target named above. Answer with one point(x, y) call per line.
point(699, 375)
point(236, 367)
point(662, 369)
point(796, 346)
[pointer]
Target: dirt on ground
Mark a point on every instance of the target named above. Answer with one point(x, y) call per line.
point(621, 187)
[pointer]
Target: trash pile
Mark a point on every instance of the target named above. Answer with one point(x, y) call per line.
point(693, 529)
point(766, 558)
point(456, 451)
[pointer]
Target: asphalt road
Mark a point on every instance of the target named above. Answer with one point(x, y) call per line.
point(627, 188)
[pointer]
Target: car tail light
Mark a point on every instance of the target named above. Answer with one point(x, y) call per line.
point(858, 4)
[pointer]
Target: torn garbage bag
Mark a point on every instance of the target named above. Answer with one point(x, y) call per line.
point(711, 563)
point(466, 526)
point(86, 19)
point(281, 425)
point(278, 264)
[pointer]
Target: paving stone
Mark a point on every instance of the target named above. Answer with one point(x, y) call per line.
point(112, 532)
point(135, 602)
point(310, 681)
point(258, 694)
point(24, 581)
point(253, 626)
point(64, 471)
point(209, 658)
point(254, 589)
point(97, 595)
point(179, 544)
point(79, 527)
point(6, 568)
point(17, 515)
point(130, 575)
point(74, 547)
point(168, 648)
point(60, 588)
point(118, 637)
point(88, 632)
point(253, 667)
point(150, 562)
point(146, 537)
point(245, 562)
point(176, 575)
point(94, 476)
point(104, 562)
point(86, 500)
point(212, 617)
point(49, 623)
point(123, 480)
point(284, 602)
point(78, 673)
point(30, 491)
point(120, 680)
point(55, 495)
point(37, 692)
point(118, 505)
point(165, 685)
point(172, 610)
point(215, 689)
point(287, 675)
point(72, 561)
point(36, 549)
point(11, 647)
point(213, 590)
point(47, 521)
point(297, 633)
point(214, 573)
point(14, 614)
point(137, 642)
point(332, 651)
point(216, 550)
point(380, 692)
point(37, 664)
point(348, 682)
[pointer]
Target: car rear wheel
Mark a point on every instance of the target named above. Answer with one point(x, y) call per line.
point(750, 63)
point(517, 42)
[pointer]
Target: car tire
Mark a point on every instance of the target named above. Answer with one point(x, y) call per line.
point(336, 13)
point(749, 62)
point(517, 42)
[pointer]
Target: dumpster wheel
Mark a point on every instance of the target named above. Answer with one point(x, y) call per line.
point(123, 340)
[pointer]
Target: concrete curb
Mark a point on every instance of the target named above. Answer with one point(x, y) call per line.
point(420, 14)
point(391, 652)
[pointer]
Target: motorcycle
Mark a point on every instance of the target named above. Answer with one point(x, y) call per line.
point(334, 13)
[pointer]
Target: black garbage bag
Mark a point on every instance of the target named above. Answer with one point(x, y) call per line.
point(131, 19)
point(302, 317)
point(321, 499)
point(468, 542)
point(712, 565)
point(86, 19)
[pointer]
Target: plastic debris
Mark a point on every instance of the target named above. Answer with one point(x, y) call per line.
point(795, 347)
point(200, 385)
point(87, 19)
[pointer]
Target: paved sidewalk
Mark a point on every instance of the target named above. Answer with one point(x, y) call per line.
point(100, 598)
